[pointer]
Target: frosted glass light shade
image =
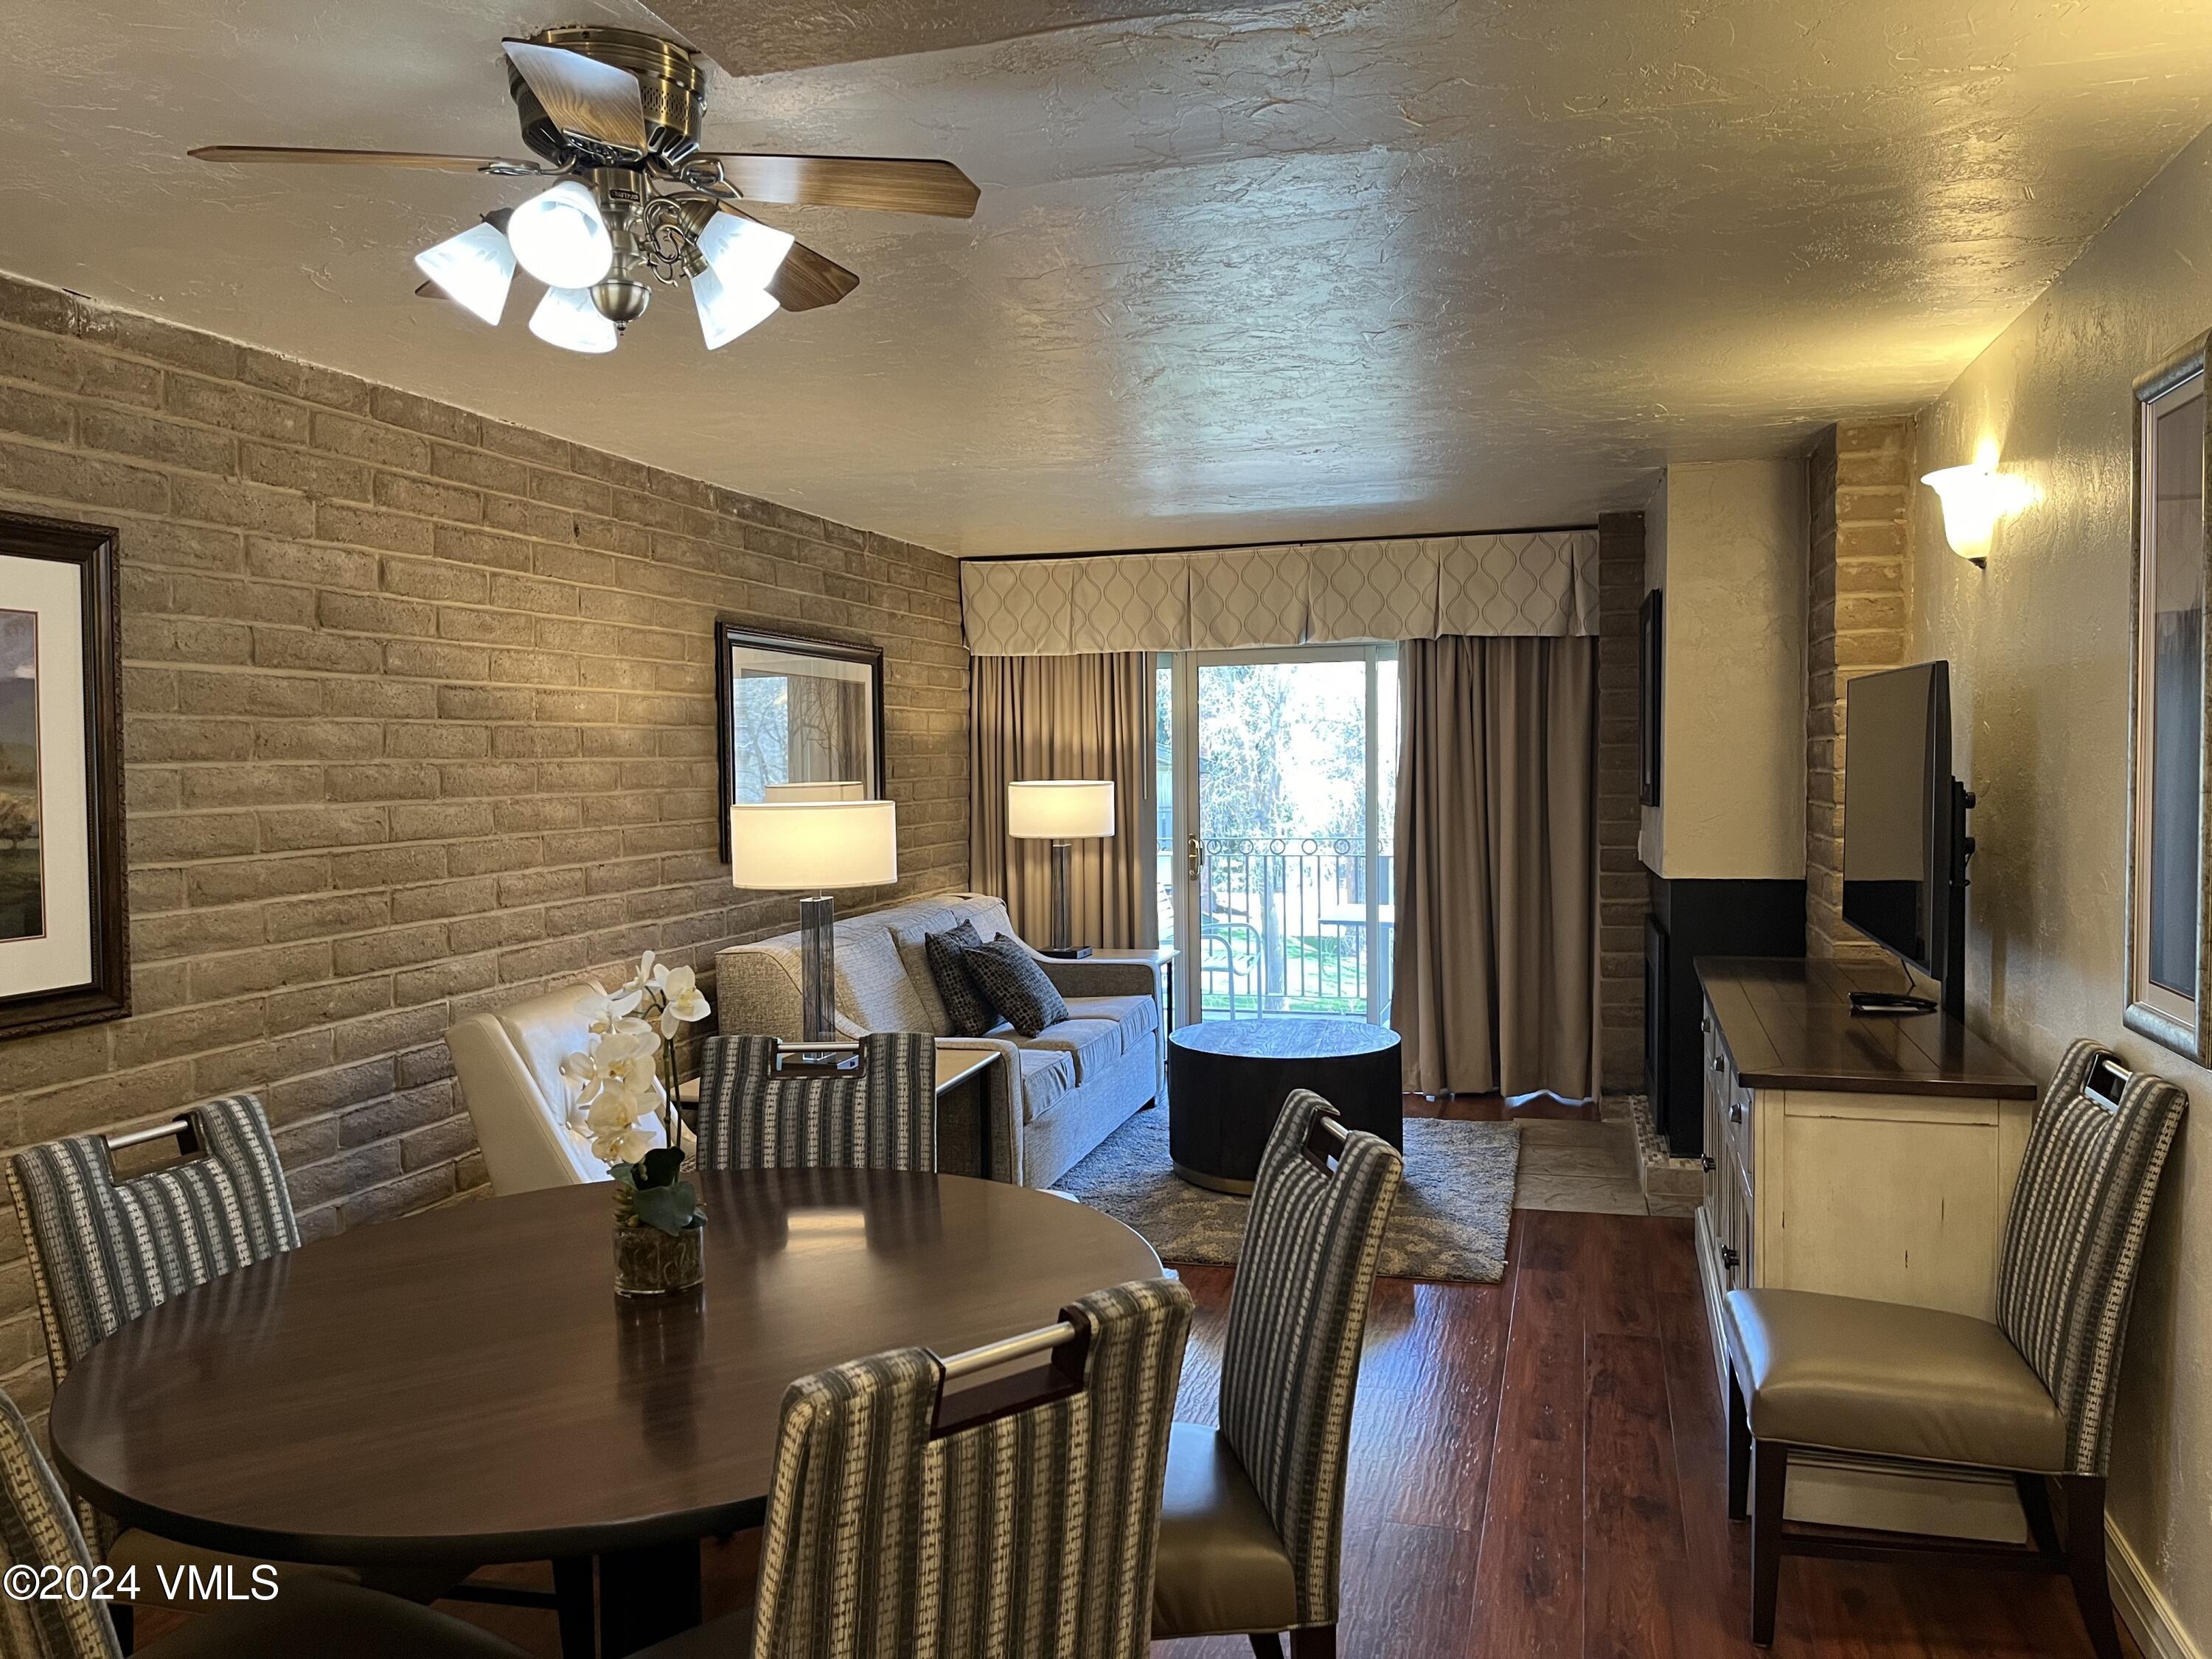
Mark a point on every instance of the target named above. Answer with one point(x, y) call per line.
point(793, 791)
point(560, 237)
point(1073, 810)
point(725, 311)
point(474, 270)
point(810, 847)
point(1975, 497)
point(743, 253)
point(567, 318)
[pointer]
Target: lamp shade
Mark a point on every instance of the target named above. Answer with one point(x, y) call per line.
point(1070, 810)
point(812, 846)
point(791, 792)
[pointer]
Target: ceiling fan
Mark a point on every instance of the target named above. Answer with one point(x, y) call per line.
point(613, 117)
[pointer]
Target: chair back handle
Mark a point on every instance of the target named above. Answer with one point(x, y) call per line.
point(1066, 1342)
point(2107, 1080)
point(817, 1059)
point(1326, 1139)
point(183, 1128)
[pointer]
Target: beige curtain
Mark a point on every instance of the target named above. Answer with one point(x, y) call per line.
point(1496, 878)
point(1068, 717)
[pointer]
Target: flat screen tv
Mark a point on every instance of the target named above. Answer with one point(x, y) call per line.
point(1898, 856)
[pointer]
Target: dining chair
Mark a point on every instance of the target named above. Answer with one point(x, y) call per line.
point(1252, 1521)
point(321, 1617)
point(2027, 1394)
point(762, 1108)
point(1014, 1516)
point(104, 1250)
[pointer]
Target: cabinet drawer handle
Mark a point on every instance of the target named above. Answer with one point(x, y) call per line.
point(1719, 1065)
point(1705, 1026)
point(1736, 1111)
point(1705, 1162)
point(1728, 1257)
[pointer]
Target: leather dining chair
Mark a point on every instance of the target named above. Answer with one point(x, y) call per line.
point(329, 1620)
point(1252, 1516)
point(1019, 1519)
point(103, 1250)
point(2027, 1394)
point(760, 1110)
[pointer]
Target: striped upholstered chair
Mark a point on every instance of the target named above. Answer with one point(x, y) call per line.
point(330, 1621)
point(1252, 1522)
point(104, 1251)
point(884, 1116)
point(2029, 1394)
point(1028, 1531)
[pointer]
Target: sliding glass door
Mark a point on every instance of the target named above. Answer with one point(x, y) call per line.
point(1279, 790)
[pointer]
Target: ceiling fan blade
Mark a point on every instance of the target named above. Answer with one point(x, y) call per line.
point(585, 99)
point(365, 158)
point(889, 185)
point(806, 279)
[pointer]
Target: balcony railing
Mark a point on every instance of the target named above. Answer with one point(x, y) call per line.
point(1284, 927)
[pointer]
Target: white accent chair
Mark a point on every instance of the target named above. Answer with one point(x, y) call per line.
point(508, 1064)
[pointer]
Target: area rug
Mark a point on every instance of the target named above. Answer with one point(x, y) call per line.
point(1449, 1222)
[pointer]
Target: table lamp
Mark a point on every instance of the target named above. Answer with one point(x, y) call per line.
point(811, 847)
point(790, 792)
point(1060, 812)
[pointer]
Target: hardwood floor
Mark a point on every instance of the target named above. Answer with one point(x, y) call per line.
point(1537, 1473)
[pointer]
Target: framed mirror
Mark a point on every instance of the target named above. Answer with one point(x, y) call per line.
point(800, 718)
point(2167, 943)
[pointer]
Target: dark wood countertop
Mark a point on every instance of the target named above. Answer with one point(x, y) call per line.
point(1788, 1024)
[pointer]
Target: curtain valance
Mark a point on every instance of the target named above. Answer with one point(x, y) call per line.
point(1528, 582)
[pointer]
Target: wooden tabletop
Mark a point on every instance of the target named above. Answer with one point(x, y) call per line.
point(1788, 1023)
point(466, 1384)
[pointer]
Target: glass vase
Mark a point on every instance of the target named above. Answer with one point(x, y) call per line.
point(650, 1262)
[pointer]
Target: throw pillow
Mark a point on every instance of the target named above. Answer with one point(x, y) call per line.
point(1009, 977)
point(966, 1011)
point(913, 943)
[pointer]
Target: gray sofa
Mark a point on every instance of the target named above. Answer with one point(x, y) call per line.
point(1053, 1096)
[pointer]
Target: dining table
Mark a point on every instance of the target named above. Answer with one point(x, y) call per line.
point(464, 1387)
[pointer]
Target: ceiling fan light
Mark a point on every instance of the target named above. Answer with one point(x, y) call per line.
point(560, 237)
point(567, 318)
point(474, 270)
point(725, 311)
point(744, 254)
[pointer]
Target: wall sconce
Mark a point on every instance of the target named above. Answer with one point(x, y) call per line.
point(1975, 496)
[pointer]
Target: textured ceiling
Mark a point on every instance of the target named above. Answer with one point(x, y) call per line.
point(1302, 270)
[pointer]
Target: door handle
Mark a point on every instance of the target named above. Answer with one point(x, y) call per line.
point(1195, 852)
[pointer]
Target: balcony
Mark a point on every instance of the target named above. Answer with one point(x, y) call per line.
point(1284, 927)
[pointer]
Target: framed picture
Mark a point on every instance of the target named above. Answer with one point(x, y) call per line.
point(2166, 938)
point(801, 720)
point(64, 938)
point(1648, 683)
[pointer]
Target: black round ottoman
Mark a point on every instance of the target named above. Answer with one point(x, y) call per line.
point(1227, 1081)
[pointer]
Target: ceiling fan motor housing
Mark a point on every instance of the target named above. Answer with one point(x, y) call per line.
point(671, 85)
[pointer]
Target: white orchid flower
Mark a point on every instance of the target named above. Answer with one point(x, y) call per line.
point(641, 979)
point(684, 1005)
point(623, 1145)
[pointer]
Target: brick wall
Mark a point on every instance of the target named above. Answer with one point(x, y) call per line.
point(419, 718)
point(1623, 896)
point(1860, 485)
